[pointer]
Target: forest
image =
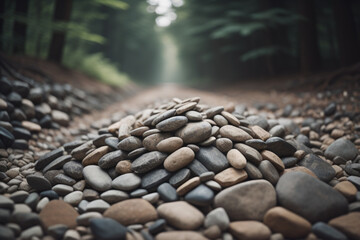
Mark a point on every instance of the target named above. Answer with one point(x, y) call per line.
point(184, 41)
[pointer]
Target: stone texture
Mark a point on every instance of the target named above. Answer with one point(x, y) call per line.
point(343, 148)
point(94, 156)
point(194, 132)
point(250, 230)
point(234, 133)
point(148, 161)
point(180, 235)
point(321, 168)
point(212, 159)
point(218, 217)
point(97, 178)
point(58, 212)
point(179, 159)
point(170, 144)
point(236, 159)
point(126, 182)
point(348, 224)
point(172, 124)
point(230, 176)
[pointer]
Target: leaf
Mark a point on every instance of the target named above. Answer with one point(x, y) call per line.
point(113, 4)
point(243, 29)
point(265, 51)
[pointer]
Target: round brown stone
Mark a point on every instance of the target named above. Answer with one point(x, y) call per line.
point(132, 211)
point(224, 144)
point(236, 159)
point(32, 127)
point(289, 224)
point(58, 212)
point(170, 144)
point(348, 224)
point(230, 176)
point(274, 159)
point(234, 133)
point(250, 230)
point(123, 167)
point(179, 159)
point(151, 141)
point(94, 156)
point(347, 189)
point(231, 118)
point(180, 235)
point(188, 185)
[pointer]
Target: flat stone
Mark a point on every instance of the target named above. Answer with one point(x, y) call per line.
point(211, 112)
point(57, 163)
point(260, 133)
point(170, 144)
point(251, 154)
point(289, 224)
point(212, 159)
point(157, 227)
point(19, 196)
point(269, 172)
point(32, 200)
point(320, 202)
point(354, 180)
point(200, 196)
point(32, 232)
point(107, 229)
point(6, 233)
point(180, 177)
point(153, 179)
point(289, 161)
point(150, 142)
point(38, 183)
point(73, 169)
point(230, 176)
point(60, 118)
point(148, 161)
point(63, 179)
point(84, 219)
point(114, 196)
point(321, 168)
point(258, 144)
point(347, 189)
point(132, 211)
point(236, 159)
point(130, 143)
point(179, 159)
point(94, 156)
point(280, 147)
point(274, 159)
point(194, 132)
point(31, 126)
point(248, 200)
point(97, 178)
point(193, 116)
point(163, 116)
point(188, 185)
point(172, 123)
point(26, 220)
point(74, 198)
point(167, 192)
point(324, 231)
point(126, 182)
point(80, 152)
point(348, 224)
point(252, 171)
point(234, 133)
point(151, 197)
point(197, 167)
point(180, 235)
point(250, 230)
point(217, 217)
point(97, 205)
point(47, 158)
point(110, 159)
point(58, 212)
point(186, 107)
point(224, 144)
point(181, 215)
point(231, 118)
point(112, 142)
point(62, 189)
point(72, 234)
point(343, 148)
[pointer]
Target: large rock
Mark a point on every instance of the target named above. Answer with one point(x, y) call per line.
point(342, 148)
point(247, 201)
point(212, 159)
point(194, 132)
point(321, 168)
point(97, 178)
point(309, 197)
point(348, 224)
point(58, 212)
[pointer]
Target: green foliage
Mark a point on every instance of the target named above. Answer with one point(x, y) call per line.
point(265, 51)
point(113, 4)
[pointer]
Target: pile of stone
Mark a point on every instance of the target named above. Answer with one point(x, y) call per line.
point(184, 170)
point(26, 109)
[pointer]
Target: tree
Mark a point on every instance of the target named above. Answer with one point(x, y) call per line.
point(19, 30)
point(62, 13)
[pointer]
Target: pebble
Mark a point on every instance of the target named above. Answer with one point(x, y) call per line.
point(224, 144)
point(212, 159)
point(258, 144)
point(194, 132)
point(170, 144)
point(19, 196)
point(179, 159)
point(236, 159)
point(73, 169)
point(148, 161)
point(251, 154)
point(32, 200)
point(289, 224)
point(206, 176)
point(132, 211)
point(126, 182)
point(321, 168)
point(197, 167)
point(31, 126)
point(274, 159)
point(32, 232)
point(150, 142)
point(348, 224)
point(97, 178)
point(343, 148)
point(114, 196)
point(193, 116)
point(129, 144)
point(260, 133)
point(39, 183)
point(47, 158)
point(289, 161)
point(112, 142)
point(110, 159)
point(250, 230)
point(72, 235)
point(269, 172)
point(63, 179)
point(157, 226)
point(167, 192)
point(80, 152)
point(212, 232)
point(107, 229)
point(151, 197)
point(234, 133)
point(58, 212)
point(200, 196)
point(180, 235)
point(181, 215)
point(317, 203)
point(354, 180)
point(324, 231)
point(347, 189)
point(84, 219)
point(57, 163)
point(172, 123)
point(94, 156)
point(188, 185)
point(230, 177)
point(74, 198)
point(6, 233)
point(123, 166)
point(217, 217)
point(42, 203)
point(97, 205)
point(280, 147)
point(248, 200)
point(180, 177)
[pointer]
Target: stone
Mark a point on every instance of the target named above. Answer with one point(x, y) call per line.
point(220, 120)
point(151, 197)
point(224, 144)
point(180, 177)
point(6, 233)
point(247, 201)
point(150, 142)
point(180, 235)
point(280, 147)
point(71, 145)
point(217, 217)
point(330, 109)
point(57, 163)
point(274, 159)
point(348, 224)
point(132, 211)
point(107, 229)
point(252, 171)
point(39, 183)
point(114, 196)
point(129, 144)
point(251, 154)
point(197, 167)
point(19, 196)
point(179, 159)
point(73, 169)
point(289, 224)
point(250, 230)
point(181, 215)
point(260, 133)
point(200, 196)
point(32, 232)
point(269, 172)
point(186, 107)
point(258, 144)
point(212, 232)
point(112, 142)
point(110, 159)
point(47, 158)
point(97, 205)
point(31, 126)
point(58, 212)
point(62, 189)
point(193, 116)
point(167, 192)
point(153, 179)
point(354, 180)
point(347, 189)
point(162, 116)
point(94, 156)
point(97, 178)
point(169, 145)
point(212, 159)
point(234, 133)
point(123, 166)
point(324, 231)
point(60, 118)
point(71, 234)
point(126, 182)
point(320, 202)
point(84, 219)
point(148, 161)
point(289, 161)
point(194, 132)
point(206, 176)
point(231, 118)
point(6, 137)
point(172, 123)
point(73, 198)
point(230, 176)
point(321, 168)
point(79, 153)
point(343, 148)
point(236, 159)
point(188, 185)
point(157, 226)
point(32, 200)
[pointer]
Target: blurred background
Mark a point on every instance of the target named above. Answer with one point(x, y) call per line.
point(198, 42)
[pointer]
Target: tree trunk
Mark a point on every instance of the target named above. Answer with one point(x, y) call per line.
point(2, 11)
point(310, 60)
point(62, 13)
point(345, 32)
point(19, 29)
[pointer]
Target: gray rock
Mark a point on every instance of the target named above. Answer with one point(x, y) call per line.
point(47, 158)
point(200, 196)
point(153, 179)
point(29, 233)
point(148, 161)
point(97, 178)
point(251, 154)
point(84, 219)
point(269, 172)
point(73, 169)
point(280, 147)
point(289, 161)
point(355, 180)
point(110, 159)
point(252, 171)
point(126, 182)
point(130, 143)
point(212, 159)
point(167, 192)
point(114, 196)
point(74, 198)
point(6, 233)
point(321, 168)
point(320, 202)
point(172, 124)
point(38, 183)
point(97, 205)
point(197, 167)
point(63, 179)
point(107, 229)
point(217, 217)
point(325, 231)
point(180, 177)
point(194, 132)
point(343, 148)
point(258, 144)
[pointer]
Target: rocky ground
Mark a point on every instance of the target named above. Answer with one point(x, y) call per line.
point(177, 163)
